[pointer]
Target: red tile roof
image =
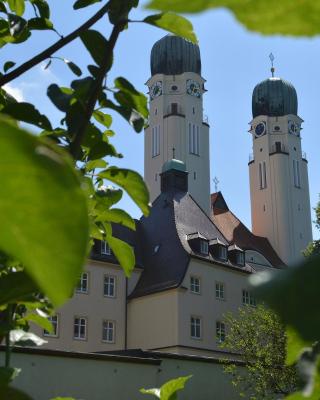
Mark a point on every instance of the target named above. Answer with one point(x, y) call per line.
point(236, 232)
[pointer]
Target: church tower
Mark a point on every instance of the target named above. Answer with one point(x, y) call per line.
point(279, 188)
point(177, 128)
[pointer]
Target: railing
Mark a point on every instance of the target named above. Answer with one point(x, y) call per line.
point(251, 157)
point(205, 119)
point(304, 155)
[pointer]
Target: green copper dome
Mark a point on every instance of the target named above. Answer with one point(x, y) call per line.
point(174, 164)
point(274, 97)
point(173, 55)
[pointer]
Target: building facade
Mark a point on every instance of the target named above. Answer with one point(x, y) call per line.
point(193, 255)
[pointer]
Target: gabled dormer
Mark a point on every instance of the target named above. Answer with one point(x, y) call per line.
point(218, 249)
point(236, 255)
point(198, 243)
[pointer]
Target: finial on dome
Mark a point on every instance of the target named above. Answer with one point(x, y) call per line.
point(271, 56)
point(173, 153)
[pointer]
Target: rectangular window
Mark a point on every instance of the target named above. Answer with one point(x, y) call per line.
point(155, 141)
point(105, 249)
point(204, 247)
point(262, 175)
point(220, 290)
point(240, 258)
point(80, 328)
point(220, 331)
point(248, 299)
point(195, 325)
point(54, 322)
point(83, 283)
point(194, 284)
point(109, 286)
point(296, 173)
point(194, 139)
point(223, 253)
point(174, 108)
point(108, 331)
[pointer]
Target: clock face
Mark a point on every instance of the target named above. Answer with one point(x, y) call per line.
point(156, 90)
point(293, 128)
point(260, 129)
point(193, 88)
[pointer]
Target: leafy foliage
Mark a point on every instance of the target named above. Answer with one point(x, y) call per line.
point(288, 17)
point(257, 334)
point(168, 391)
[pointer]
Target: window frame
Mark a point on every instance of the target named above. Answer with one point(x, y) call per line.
point(79, 337)
point(204, 250)
point(218, 290)
point(79, 288)
point(105, 276)
point(240, 254)
point(196, 326)
point(105, 248)
point(222, 249)
point(220, 332)
point(194, 286)
point(248, 299)
point(56, 331)
point(113, 331)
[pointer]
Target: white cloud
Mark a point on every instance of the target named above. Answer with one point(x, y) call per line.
point(14, 91)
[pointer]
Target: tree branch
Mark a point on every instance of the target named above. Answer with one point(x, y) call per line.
point(55, 47)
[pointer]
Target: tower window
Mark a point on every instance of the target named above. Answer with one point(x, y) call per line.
point(194, 175)
point(193, 110)
point(155, 141)
point(156, 111)
point(194, 139)
point(296, 173)
point(156, 177)
point(174, 108)
point(262, 175)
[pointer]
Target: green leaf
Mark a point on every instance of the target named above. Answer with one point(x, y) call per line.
point(130, 98)
point(304, 279)
point(133, 117)
point(96, 44)
point(22, 338)
point(8, 65)
point(17, 6)
point(17, 27)
point(295, 345)
point(123, 252)
point(84, 3)
point(169, 390)
point(117, 216)
point(7, 375)
point(96, 145)
point(288, 17)
point(15, 286)
point(59, 97)
point(43, 322)
point(43, 8)
point(173, 23)
point(39, 192)
point(13, 394)
point(74, 68)
point(132, 183)
point(91, 165)
point(40, 24)
point(27, 112)
point(104, 119)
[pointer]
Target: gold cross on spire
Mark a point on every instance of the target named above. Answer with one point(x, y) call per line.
point(271, 56)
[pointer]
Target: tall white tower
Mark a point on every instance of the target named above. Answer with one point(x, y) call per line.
point(177, 128)
point(280, 204)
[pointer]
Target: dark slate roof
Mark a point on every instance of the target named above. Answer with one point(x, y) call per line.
point(237, 233)
point(173, 55)
point(274, 97)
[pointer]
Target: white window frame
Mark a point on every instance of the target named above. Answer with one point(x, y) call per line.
point(108, 328)
point(195, 284)
point(105, 248)
point(222, 253)
point(220, 291)
point(220, 331)
point(83, 284)
point(240, 258)
point(204, 247)
point(54, 319)
point(79, 323)
point(108, 284)
point(195, 327)
point(248, 299)
point(156, 141)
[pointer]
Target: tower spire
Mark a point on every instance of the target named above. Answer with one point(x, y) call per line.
point(271, 56)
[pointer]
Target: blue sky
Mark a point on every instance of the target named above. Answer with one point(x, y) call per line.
point(233, 62)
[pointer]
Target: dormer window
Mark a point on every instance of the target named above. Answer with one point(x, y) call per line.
point(222, 253)
point(236, 255)
point(240, 258)
point(105, 249)
point(204, 247)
